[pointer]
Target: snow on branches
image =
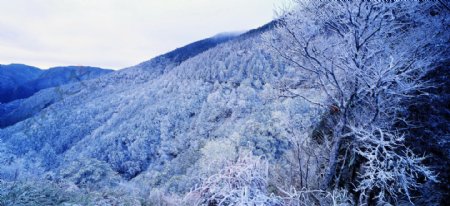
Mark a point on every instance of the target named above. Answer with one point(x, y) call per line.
point(243, 182)
point(390, 168)
point(368, 58)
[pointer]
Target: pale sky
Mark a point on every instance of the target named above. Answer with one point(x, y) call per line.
point(116, 33)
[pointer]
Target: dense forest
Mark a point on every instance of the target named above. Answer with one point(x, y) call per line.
point(332, 103)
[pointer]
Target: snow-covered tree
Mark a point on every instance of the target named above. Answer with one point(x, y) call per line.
point(366, 57)
point(390, 168)
point(243, 182)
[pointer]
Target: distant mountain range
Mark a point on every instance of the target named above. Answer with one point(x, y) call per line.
point(20, 81)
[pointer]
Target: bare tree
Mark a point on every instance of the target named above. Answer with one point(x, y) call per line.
point(366, 57)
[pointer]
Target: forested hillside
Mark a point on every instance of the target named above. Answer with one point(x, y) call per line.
point(332, 103)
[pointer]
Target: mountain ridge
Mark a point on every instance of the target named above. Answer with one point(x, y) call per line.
point(39, 79)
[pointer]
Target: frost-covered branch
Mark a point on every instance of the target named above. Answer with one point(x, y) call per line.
point(243, 182)
point(390, 168)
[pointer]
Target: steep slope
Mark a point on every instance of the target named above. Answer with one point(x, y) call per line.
point(14, 75)
point(169, 123)
point(183, 53)
point(55, 78)
point(221, 118)
point(148, 123)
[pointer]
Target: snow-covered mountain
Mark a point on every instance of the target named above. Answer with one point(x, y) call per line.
point(150, 121)
point(177, 122)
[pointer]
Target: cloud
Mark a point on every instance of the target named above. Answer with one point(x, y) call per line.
point(116, 33)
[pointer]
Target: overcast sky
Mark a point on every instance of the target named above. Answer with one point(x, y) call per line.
point(116, 33)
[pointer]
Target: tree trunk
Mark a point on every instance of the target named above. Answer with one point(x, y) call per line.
point(332, 164)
